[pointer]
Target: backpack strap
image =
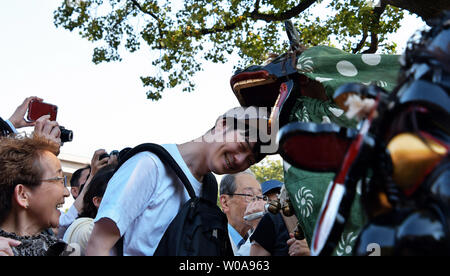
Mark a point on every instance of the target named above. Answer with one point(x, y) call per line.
point(209, 189)
point(166, 158)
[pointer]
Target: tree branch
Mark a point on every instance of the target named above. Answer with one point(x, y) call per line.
point(361, 43)
point(301, 7)
point(373, 43)
point(256, 15)
point(139, 7)
point(213, 30)
point(375, 23)
point(257, 2)
point(423, 8)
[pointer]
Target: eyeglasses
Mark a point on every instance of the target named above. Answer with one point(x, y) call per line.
point(250, 198)
point(64, 179)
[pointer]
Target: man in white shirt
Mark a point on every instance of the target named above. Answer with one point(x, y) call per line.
point(145, 195)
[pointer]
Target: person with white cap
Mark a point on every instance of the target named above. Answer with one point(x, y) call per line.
point(271, 237)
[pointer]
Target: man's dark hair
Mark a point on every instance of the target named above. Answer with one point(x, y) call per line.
point(249, 127)
point(97, 187)
point(75, 180)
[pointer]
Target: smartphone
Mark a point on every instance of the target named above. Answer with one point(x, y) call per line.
point(37, 109)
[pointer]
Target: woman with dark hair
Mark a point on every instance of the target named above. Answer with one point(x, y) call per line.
point(80, 230)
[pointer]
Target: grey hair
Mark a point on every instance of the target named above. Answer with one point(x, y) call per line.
point(228, 182)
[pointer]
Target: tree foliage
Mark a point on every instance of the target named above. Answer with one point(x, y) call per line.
point(268, 169)
point(182, 34)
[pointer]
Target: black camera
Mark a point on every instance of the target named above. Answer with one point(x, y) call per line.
point(104, 155)
point(66, 135)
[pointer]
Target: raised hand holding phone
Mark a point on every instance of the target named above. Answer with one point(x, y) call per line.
point(18, 117)
point(37, 109)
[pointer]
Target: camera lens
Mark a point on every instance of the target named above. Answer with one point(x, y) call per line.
point(66, 135)
point(104, 155)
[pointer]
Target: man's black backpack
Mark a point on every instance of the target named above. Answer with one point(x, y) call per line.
point(200, 227)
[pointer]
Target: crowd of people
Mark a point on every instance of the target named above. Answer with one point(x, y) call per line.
point(125, 208)
point(134, 203)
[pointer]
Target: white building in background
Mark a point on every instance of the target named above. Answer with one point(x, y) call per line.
point(70, 163)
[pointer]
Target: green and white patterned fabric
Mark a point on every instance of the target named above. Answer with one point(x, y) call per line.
point(332, 68)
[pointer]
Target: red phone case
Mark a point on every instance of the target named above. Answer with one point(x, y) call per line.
point(38, 109)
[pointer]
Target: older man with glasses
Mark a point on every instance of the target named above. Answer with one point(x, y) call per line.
point(240, 194)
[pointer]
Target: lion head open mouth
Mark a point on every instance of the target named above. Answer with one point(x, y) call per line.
point(260, 85)
point(255, 88)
